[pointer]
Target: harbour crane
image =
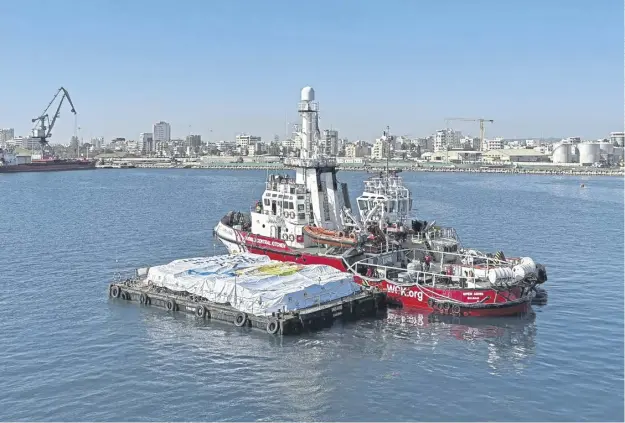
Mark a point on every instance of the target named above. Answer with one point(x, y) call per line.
point(481, 121)
point(43, 127)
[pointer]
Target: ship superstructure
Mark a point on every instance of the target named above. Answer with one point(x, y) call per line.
point(307, 219)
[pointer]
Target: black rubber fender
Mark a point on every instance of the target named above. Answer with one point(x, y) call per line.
point(125, 296)
point(200, 311)
point(431, 302)
point(273, 326)
point(455, 309)
point(143, 298)
point(115, 291)
point(240, 319)
point(171, 305)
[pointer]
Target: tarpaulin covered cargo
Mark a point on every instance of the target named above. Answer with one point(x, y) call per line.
point(254, 283)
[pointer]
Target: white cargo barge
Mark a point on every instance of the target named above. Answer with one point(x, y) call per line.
point(252, 290)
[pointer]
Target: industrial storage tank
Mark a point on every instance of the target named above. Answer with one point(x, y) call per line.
point(606, 148)
point(589, 153)
point(562, 153)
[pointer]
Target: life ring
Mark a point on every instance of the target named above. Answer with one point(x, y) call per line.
point(291, 237)
point(115, 291)
point(455, 309)
point(142, 298)
point(273, 326)
point(200, 311)
point(292, 215)
point(240, 319)
point(285, 237)
point(171, 305)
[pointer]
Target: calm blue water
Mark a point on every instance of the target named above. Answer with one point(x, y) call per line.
point(70, 353)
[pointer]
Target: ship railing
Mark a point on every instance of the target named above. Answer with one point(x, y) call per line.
point(486, 263)
point(379, 272)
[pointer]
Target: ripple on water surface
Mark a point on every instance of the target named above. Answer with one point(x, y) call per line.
point(69, 353)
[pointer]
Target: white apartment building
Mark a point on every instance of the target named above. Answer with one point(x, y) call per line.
point(381, 149)
point(97, 142)
point(494, 144)
point(244, 141)
point(161, 132)
point(329, 142)
point(146, 142)
point(447, 138)
point(355, 150)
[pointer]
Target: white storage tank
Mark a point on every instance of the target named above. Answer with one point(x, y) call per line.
point(589, 153)
point(561, 153)
point(606, 148)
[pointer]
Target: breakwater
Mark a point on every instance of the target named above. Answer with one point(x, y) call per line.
point(565, 171)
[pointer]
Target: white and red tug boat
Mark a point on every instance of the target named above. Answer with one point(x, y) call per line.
point(308, 220)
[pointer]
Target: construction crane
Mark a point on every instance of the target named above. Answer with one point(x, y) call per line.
point(480, 120)
point(43, 127)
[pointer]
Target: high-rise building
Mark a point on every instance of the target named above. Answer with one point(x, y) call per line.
point(447, 138)
point(329, 142)
point(146, 142)
point(97, 142)
point(194, 141)
point(161, 132)
point(381, 148)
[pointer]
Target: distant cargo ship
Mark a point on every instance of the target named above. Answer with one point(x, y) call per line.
point(10, 163)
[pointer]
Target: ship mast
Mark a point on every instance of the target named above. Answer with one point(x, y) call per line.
point(315, 170)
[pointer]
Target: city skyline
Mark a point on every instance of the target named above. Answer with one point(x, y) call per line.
point(538, 69)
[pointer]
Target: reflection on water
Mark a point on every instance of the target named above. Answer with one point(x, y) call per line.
point(510, 340)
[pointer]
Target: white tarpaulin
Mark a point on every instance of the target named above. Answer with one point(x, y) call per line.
point(253, 283)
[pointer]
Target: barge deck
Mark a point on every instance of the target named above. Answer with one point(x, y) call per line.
point(363, 304)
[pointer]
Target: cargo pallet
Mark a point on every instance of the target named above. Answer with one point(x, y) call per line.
point(366, 303)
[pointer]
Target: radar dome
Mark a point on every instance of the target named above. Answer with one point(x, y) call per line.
point(308, 94)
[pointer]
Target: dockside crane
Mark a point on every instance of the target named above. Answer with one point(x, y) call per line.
point(481, 121)
point(43, 126)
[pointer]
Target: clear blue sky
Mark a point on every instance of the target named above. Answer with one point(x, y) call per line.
point(538, 68)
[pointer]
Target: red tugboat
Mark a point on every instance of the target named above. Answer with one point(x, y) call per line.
point(308, 220)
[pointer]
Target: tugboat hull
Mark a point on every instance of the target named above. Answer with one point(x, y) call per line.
point(455, 302)
point(237, 241)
